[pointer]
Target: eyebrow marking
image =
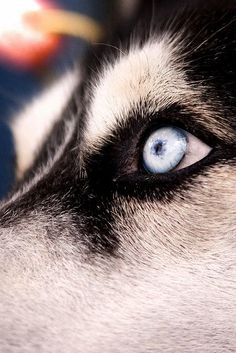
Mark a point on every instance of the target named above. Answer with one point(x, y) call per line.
point(148, 80)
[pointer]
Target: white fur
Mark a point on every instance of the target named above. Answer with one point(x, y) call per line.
point(152, 76)
point(31, 127)
point(45, 169)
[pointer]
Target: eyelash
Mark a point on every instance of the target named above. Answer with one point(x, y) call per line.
point(192, 127)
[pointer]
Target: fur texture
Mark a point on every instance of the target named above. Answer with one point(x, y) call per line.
point(96, 255)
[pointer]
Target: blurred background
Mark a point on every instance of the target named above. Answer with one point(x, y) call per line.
point(32, 57)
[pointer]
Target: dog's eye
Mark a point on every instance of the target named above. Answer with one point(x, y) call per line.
point(171, 148)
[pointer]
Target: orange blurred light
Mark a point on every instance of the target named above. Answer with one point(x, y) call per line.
point(19, 43)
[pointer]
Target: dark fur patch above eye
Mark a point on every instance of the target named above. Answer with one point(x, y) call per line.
point(211, 54)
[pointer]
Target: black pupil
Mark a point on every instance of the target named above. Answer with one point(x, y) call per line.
point(158, 148)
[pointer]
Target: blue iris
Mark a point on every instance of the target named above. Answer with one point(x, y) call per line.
point(164, 149)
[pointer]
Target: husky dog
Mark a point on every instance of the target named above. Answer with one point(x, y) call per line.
point(121, 234)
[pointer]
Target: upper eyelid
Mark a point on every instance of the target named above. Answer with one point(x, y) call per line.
point(184, 118)
point(185, 122)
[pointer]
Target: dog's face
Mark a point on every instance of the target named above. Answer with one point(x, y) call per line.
point(122, 236)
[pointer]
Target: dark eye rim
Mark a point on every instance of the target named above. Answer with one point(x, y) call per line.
point(179, 176)
point(118, 160)
point(163, 187)
point(220, 151)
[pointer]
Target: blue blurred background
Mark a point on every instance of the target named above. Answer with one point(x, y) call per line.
point(18, 85)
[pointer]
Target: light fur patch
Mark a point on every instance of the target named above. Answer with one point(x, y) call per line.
point(146, 80)
point(31, 127)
